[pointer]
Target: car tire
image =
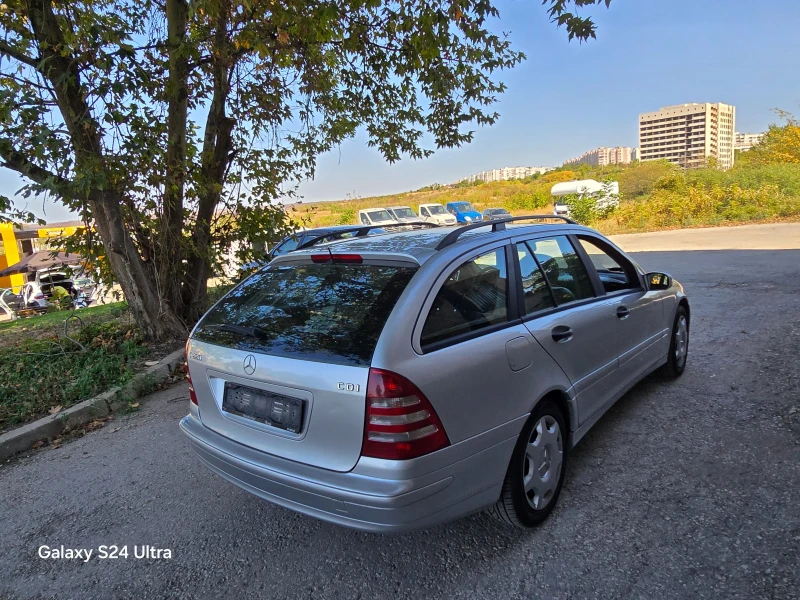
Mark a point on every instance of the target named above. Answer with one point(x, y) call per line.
point(540, 469)
point(678, 346)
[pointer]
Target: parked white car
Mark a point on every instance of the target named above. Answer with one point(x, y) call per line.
point(380, 217)
point(403, 214)
point(436, 214)
point(33, 296)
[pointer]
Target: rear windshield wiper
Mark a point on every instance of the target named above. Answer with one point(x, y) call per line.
point(256, 332)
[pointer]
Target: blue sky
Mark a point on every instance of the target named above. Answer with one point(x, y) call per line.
point(568, 97)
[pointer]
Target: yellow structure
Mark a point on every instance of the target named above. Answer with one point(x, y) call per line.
point(16, 243)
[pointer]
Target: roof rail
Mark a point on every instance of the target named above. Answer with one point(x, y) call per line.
point(360, 231)
point(497, 225)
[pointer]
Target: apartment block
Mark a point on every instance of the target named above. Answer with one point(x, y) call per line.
point(745, 141)
point(507, 173)
point(620, 155)
point(689, 134)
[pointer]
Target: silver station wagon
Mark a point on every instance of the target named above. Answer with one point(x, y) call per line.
point(394, 382)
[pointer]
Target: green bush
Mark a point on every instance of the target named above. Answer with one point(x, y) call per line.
point(348, 217)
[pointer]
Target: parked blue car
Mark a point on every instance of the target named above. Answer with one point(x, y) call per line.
point(464, 212)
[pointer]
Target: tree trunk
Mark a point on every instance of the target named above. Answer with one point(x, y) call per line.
point(215, 159)
point(156, 320)
point(170, 255)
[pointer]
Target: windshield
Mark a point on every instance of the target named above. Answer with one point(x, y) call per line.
point(325, 312)
point(380, 215)
point(404, 213)
point(436, 209)
point(464, 207)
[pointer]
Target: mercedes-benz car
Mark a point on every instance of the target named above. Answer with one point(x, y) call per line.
point(394, 382)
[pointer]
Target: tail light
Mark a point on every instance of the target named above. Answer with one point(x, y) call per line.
point(192, 394)
point(39, 296)
point(400, 423)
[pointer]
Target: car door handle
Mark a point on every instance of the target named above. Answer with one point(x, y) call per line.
point(623, 312)
point(561, 334)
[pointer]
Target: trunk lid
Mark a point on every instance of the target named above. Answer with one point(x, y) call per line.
point(281, 362)
point(333, 419)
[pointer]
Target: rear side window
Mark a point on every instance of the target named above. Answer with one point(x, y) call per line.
point(474, 296)
point(563, 268)
point(325, 312)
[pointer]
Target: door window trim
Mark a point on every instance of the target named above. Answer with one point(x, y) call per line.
point(523, 313)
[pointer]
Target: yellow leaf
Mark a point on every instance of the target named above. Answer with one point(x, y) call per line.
point(135, 405)
point(55, 409)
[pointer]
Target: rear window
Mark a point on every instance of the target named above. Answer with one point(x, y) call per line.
point(323, 312)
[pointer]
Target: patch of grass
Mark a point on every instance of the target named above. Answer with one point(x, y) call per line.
point(39, 374)
point(13, 332)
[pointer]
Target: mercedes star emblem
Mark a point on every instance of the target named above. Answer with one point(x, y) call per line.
point(249, 364)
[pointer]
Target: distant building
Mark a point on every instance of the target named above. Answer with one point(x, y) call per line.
point(635, 154)
point(507, 173)
point(745, 141)
point(620, 155)
point(689, 134)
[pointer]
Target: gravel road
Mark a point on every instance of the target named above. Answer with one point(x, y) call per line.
point(685, 489)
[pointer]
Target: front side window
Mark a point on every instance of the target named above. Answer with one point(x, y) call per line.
point(424, 212)
point(535, 290)
point(615, 272)
point(437, 209)
point(473, 297)
point(563, 268)
point(464, 207)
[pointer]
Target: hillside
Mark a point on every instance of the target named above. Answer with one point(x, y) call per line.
point(653, 195)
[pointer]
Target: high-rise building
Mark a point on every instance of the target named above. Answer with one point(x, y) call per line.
point(507, 173)
point(745, 141)
point(620, 155)
point(689, 134)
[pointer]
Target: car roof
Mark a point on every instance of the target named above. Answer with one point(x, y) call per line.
point(420, 244)
point(400, 206)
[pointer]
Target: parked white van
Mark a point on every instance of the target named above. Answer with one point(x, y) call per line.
point(436, 214)
point(380, 217)
point(403, 214)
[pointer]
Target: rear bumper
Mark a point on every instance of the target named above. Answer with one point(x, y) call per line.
point(369, 498)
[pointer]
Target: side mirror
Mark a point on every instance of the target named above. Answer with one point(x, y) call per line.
point(658, 281)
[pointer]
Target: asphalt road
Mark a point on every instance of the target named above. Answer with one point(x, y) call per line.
point(685, 489)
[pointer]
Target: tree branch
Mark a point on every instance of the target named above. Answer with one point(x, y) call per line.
point(16, 161)
point(16, 55)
